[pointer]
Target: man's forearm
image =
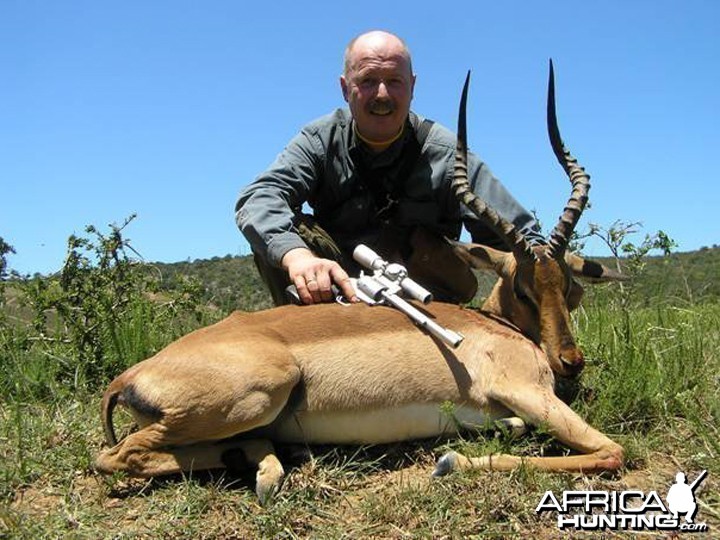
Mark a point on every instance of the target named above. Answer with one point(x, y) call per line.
point(267, 224)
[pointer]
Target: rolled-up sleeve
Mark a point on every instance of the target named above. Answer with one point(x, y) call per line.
point(266, 208)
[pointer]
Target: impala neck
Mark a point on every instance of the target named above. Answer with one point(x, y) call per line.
point(502, 303)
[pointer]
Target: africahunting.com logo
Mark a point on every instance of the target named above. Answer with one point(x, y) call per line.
point(631, 510)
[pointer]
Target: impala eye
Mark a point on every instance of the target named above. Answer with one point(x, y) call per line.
point(524, 298)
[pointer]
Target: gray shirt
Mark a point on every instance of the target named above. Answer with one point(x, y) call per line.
point(355, 193)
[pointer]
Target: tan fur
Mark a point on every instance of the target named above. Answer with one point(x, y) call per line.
point(338, 374)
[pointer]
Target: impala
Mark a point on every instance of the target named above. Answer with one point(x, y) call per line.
point(358, 374)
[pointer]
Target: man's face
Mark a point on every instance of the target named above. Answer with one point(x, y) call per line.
point(378, 87)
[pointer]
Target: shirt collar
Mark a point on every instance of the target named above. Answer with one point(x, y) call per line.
point(359, 150)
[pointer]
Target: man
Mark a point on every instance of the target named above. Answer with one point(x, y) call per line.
point(377, 174)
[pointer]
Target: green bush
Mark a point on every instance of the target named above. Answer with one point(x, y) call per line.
point(103, 312)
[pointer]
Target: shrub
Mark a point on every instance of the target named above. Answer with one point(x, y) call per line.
point(100, 314)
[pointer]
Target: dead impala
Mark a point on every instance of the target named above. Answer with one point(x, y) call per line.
point(281, 375)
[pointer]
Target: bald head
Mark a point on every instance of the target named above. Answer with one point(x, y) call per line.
point(378, 42)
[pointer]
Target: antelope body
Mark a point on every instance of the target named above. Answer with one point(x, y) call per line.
point(361, 375)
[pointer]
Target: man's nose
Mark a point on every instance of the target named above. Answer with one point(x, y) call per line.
point(382, 90)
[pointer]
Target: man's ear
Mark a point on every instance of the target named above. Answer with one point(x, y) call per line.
point(344, 87)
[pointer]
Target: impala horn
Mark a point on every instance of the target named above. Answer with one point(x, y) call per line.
point(461, 186)
point(560, 236)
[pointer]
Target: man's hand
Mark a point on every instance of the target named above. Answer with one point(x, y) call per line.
point(313, 277)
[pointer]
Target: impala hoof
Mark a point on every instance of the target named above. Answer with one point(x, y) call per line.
point(266, 493)
point(445, 465)
point(268, 479)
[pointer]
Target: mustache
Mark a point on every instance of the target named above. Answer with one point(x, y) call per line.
point(381, 106)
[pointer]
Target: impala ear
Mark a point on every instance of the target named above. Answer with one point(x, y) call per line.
point(592, 271)
point(482, 257)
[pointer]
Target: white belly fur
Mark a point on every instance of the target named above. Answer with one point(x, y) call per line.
point(405, 422)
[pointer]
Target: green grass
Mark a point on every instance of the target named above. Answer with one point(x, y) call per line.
point(652, 383)
point(652, 366)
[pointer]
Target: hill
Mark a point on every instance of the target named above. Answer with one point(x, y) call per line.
point(228, 282)
point(232, 282)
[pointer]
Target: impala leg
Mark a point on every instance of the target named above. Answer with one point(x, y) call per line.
point(261, 453)
point(147, 453)
point(541, 407)
point(137, 456)
point(191, 434)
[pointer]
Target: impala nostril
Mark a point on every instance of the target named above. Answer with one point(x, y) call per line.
point(573, 362)
point(571, 355)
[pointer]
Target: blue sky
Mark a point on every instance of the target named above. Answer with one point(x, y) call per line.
point(168, 108)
